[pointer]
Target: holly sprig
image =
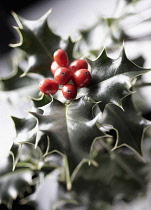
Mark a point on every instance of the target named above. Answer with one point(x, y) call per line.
point(89, 139)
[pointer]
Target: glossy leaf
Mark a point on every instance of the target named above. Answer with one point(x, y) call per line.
point(112, 79)
point(71, 128)
point(16, 81)
point(38, 41)
point(128, 123)
point(26, 129)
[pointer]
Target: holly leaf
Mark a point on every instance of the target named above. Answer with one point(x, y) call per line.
point(38, 41)
point(71, 128)
point(26, 129)
point(112, 79)
point(129, 124)
point(16, 81)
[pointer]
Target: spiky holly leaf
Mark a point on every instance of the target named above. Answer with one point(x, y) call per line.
point(26, 129)
point(128, 123)
point(32, 158)
point(38, 41)
point(71, 128)
point(16, 81)
point(112, 79)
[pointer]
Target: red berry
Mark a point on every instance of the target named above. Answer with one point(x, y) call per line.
point(61, 58)
point(69, 91)
point(62, 75)
point(81, 78)
point(54, 66)
point(48, 86)
point(78, 64)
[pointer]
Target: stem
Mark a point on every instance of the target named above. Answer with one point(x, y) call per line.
point(78, 168)
point(68, 178)
point(75, 172)
point(66, 166)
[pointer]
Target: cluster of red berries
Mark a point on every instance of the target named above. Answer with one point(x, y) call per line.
point(77, 72)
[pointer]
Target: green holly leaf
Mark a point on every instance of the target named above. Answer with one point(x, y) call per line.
point(32, 158)
point(16, 81)
point(112, 79)
point(71, 128)
point(38, 41)
point(26, 129)
point(129, 124)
